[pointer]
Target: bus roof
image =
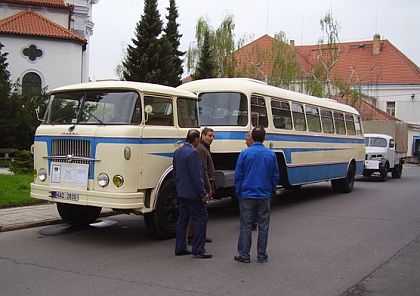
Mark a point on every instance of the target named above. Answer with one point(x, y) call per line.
point(129, 85)
point(251, 86)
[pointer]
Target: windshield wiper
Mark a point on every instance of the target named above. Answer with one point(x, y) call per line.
point(94, 116)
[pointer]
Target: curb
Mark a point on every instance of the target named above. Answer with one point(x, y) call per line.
point(47, 222)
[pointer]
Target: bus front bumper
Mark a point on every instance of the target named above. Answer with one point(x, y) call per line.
point(113, 200)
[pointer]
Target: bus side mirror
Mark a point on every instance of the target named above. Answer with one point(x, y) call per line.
point(37, 111)
point(148, 109)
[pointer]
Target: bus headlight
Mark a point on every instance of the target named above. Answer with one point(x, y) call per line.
point(103, 180)
point(118, 180)
point(42, 174)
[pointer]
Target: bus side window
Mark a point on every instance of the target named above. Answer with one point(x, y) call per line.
point(312, 115)
point(340, 126)
point(327, 121)
point(351, 128)
point(162, 113)
point(258, 111)
point(282, 117)
point(357, 125)
point(298, 117)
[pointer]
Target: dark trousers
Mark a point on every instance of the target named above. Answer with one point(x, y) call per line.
point(254, 210)
point(196, 210)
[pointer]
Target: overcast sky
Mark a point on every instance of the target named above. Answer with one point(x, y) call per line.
point(397, 21)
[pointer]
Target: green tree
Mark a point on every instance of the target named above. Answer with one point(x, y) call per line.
point(222, 44)
point(8, 121)
point(144, 58)
point(206, 67)
point(174, 71)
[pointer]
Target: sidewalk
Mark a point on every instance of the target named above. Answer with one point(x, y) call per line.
point(33, 216)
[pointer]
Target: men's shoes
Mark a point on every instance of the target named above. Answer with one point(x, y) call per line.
point(209, 240)
point(262, 260)
point(240, 259)
point(182, 253)
point(203, 256)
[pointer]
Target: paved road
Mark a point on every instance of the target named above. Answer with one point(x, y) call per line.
point(321, 243)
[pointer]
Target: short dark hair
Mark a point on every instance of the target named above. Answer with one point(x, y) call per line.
point(192, 135)
point(258, 134)
point(206, 130)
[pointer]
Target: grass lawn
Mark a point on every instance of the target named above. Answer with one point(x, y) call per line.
point(14, 190)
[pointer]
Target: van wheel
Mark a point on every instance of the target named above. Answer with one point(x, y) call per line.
point(397, 171)
point(345, 185)
point(161, 223)
point(383, 173)
point(77, 215)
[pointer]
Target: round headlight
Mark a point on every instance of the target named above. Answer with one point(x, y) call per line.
point(103, 179)
point(42, 174)
point(118, 180)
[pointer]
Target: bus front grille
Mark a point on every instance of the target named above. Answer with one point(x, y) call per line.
point(65, 150)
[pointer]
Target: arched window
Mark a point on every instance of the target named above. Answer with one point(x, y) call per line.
point(31, 84)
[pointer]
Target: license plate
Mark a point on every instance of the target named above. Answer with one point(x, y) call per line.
point(65, 195)
point(372, 164)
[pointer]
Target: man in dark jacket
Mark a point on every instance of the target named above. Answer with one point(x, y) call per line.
point(256, 179)
point(203, 148)
point(192, 197)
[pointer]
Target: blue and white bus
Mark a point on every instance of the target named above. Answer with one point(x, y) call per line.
point(315, 139)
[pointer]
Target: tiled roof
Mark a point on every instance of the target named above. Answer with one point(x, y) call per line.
point(44, 3)
point(32, 24)
point(357, 63)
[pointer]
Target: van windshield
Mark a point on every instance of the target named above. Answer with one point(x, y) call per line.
point(375, 142)
point(94, 107)
point(222, 108)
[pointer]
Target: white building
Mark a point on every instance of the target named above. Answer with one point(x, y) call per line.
point(46, 41)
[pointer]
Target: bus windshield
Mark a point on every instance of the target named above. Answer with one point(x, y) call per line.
point(94, 107)
point(222, 108)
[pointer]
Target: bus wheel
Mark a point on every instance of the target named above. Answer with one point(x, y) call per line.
point(345, 185)
point(161, 223)
point(397, 171)
point(77, 215)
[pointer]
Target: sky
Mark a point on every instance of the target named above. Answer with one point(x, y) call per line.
point(397, 21)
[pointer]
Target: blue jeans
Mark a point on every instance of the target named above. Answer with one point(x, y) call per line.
point(195, 209)
point(254, 210)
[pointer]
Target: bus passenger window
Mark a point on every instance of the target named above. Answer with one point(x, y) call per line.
point(161, 111)
point(258, 111)
point(312, 115)
point(357, 125)
point(327, 121)
point(282, 117)
point(351, 128)
point(298, 117)
point(340, 126)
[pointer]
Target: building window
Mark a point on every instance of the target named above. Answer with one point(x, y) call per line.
point(31, 84)
point(390, 108)
point(32, 53)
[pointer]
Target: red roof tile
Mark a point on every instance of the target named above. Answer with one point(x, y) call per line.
point(32, 24)
point(45, 3)
point(357, 63)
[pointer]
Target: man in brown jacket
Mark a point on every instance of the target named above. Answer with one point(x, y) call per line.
point(203, 148)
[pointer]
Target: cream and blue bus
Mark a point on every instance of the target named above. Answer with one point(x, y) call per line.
point(315, 139)
point(110, 144)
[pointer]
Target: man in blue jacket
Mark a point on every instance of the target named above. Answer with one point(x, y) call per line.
point(192, 197)
point(256, 179)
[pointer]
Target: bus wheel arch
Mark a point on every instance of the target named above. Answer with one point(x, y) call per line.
point(346, 184)
point(161, 221)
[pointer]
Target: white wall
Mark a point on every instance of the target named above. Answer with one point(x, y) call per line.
point(406, 108)
point(61, 63)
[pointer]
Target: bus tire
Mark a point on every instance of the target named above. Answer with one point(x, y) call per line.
point(345, 185)
point(77, 215)
point(161, 223)
point(397, 171)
